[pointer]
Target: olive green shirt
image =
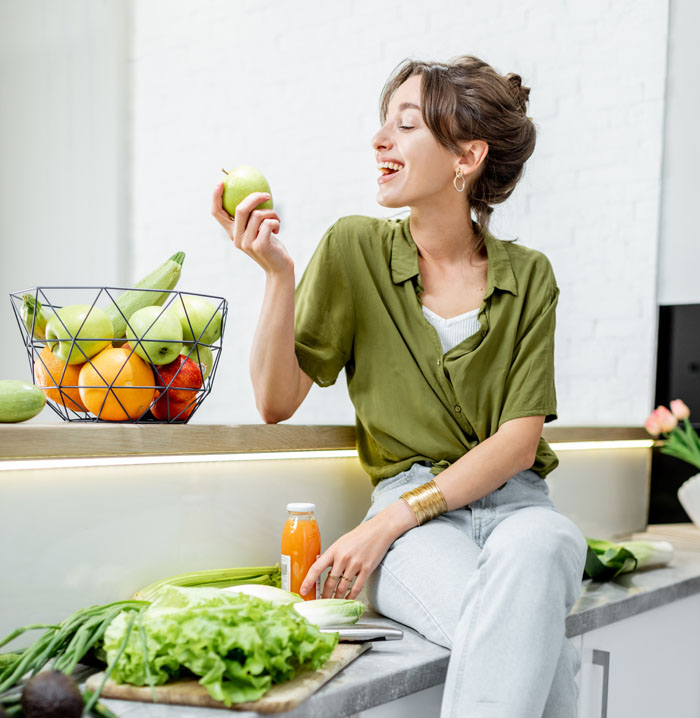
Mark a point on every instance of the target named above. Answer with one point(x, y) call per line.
point(358, 306)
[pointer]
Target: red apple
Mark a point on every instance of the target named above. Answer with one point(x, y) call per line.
point(180, 381)
point(178, 410)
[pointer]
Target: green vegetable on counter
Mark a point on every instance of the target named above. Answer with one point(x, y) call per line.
point(216, 578)
point(61, 647)
point(606, 560)
point(239, 645)
point(19, 401)
point(322, 612)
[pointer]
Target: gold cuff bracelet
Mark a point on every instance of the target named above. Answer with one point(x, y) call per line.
point(427, 502)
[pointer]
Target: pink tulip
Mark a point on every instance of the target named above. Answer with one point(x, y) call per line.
point(652, 425)
point(666, 420)
point(679, 409)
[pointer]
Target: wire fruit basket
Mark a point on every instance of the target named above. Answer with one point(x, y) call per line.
point(151, 374)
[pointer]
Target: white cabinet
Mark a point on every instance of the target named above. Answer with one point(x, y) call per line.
point(423, 704)
point(644, 666)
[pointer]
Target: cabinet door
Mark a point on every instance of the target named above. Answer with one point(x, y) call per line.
point(644, 666)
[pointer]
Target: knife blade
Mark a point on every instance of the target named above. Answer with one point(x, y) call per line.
point(360, 632)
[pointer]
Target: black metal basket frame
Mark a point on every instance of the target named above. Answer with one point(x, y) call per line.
point(64, 408)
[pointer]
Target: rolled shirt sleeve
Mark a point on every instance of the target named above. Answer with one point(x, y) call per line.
point(530, 385)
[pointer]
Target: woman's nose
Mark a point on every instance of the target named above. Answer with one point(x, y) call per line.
point(380, 140)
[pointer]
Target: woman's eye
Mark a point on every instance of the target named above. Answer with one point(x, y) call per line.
point(405, 127)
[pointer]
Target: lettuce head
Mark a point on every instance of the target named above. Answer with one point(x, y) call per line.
point(238, 645)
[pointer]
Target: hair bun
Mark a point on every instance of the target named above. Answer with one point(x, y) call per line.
point(520, 92)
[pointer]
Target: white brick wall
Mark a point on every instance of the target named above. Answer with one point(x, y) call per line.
point(293, 89)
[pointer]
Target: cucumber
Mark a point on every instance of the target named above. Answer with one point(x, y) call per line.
point(19, 401)
point(164, 277)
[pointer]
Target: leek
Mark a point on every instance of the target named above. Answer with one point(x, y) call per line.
point(216, 578)
point(606, 560)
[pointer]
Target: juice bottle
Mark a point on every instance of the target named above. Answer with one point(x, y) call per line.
point(301, 546)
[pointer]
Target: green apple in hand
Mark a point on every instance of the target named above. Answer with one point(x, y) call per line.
point(240, 182)
point(90, 326)
point(159, 332)
point(205, 358)
point(199, 318)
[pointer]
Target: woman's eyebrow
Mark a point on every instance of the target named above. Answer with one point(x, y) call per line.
point(408, 105)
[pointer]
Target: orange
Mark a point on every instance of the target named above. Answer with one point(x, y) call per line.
point(58, 381)
point(120, 380)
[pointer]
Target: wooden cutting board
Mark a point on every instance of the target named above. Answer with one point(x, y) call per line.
point(280, 698)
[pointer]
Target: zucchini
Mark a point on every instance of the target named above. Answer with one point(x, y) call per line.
point(34, 317)
point(164, 277)
point(19, 401)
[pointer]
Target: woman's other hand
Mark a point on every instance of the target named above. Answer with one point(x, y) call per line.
point(354, 556)
point(251, 231)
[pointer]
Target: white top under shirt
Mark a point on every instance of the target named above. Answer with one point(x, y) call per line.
point(454, 330)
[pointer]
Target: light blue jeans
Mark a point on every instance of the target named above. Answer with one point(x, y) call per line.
point(494, 582)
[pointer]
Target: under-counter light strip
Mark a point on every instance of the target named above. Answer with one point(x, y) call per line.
point(588, 445)
point(78, 463)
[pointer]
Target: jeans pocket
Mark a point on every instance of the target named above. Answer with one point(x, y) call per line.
point(390, 489)
point(531, 479)
point(389, 484)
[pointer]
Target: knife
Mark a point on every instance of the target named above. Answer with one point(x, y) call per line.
point(360, 632)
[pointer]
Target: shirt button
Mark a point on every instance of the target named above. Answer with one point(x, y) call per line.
point(438, 362)
point(458, 408)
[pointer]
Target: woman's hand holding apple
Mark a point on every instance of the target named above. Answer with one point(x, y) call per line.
point(252, 230)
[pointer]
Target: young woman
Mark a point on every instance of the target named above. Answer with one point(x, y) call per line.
point(446, 335)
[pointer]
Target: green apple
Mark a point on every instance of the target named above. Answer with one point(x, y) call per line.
point(90, 326)
point(240, 182)
point(205, 359)
point(159, 334)
point(199, 318)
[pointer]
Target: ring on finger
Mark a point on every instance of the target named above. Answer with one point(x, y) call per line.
point(349, 579)
point(335, 578)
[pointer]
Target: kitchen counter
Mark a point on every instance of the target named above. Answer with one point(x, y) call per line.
point(394, 669)
point(105, 439)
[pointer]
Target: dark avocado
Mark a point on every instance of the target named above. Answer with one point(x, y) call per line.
point(51, 694)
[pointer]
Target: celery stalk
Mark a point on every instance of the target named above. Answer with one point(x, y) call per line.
point(216, 578)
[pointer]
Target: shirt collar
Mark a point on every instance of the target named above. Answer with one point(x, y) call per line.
point(404, 261)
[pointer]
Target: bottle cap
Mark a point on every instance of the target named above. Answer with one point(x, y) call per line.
point(301, 508)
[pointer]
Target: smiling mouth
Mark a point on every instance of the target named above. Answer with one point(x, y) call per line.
point(388, 171)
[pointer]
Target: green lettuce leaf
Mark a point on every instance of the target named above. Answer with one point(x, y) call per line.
point(239, 645)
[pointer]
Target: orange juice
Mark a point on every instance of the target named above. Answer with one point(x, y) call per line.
point(301, 546)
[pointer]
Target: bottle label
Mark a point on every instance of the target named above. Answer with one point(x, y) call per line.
point(286, 571)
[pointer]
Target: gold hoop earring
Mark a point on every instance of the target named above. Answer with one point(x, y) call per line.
point(459, 175)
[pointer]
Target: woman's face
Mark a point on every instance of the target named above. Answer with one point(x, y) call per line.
point(427, 168)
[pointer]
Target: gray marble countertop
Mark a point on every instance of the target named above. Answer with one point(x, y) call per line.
point(392, 669)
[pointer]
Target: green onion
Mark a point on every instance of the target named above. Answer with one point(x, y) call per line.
point(64, 645)
point(93, 699)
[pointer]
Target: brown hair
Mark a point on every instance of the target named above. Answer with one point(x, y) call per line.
point(466, 99)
